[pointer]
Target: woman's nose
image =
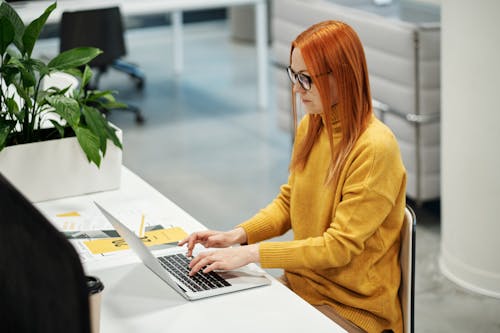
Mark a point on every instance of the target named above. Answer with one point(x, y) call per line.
point(297, 88)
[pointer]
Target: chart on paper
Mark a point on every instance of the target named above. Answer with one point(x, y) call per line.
point(94, 237)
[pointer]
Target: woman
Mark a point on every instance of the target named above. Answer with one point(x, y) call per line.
point(344, 199)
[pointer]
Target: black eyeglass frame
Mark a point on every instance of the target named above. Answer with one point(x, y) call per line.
point(304, 80)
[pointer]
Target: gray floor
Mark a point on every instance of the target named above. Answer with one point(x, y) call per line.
point(207, 147)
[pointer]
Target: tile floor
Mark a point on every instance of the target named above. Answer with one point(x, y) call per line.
point(207, 147)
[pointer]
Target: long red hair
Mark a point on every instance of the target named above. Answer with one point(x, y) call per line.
point(334, 47)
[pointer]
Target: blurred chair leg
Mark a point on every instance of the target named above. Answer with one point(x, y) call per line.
point(132, 70)
point(139, 118)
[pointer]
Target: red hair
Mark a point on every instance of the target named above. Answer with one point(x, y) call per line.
point(334, 47)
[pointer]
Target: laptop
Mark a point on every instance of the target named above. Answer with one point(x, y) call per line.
point(173, 268)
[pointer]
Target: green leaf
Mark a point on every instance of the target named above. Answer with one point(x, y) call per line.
point(54, 91)
point(12, 106)
point(59, 127)
point(6, 127)
point(13, 63)
point(6, 34)
point(8, 70)
point(96, 123)
point(67, 108)
point(94, 95)
point(40, 66)
point(105, 100)
point(24, 94)
point(99, 124)
point(8, 12)
point(28, 77)
point(89, 143)
point(75, 72)
point(87, 75)
point(115, 105)
point(112, 136)
point(32, 31)
point(42, 97)
point(74, 58)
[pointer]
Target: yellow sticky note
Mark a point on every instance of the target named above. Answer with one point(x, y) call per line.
point(153, 237)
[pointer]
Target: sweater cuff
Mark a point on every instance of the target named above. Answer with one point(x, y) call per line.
point(274, 255)
point(257, 229)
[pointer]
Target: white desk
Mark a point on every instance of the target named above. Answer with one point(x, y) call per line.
point(30, 10)
point(136, 300)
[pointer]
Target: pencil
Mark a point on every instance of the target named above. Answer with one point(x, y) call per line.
point(141, 229)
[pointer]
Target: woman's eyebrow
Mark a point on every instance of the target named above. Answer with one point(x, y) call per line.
point(302, 71)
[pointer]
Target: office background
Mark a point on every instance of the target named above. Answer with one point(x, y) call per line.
point(206, 146)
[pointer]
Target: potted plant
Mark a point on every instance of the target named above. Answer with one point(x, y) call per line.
point(31, 113)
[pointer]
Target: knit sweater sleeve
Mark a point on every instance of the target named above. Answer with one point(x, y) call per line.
point(372, 179)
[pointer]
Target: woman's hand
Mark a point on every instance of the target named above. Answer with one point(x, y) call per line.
point(225, 259)
point(212, 238)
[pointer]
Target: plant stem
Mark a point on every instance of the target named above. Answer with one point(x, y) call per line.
point(36, 118)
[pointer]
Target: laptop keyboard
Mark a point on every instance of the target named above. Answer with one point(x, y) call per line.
point(178, 266)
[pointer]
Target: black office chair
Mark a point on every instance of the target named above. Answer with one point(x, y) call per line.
point(101, 28)
point(42, 283)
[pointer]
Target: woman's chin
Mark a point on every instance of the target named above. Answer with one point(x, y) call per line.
point(310, 110)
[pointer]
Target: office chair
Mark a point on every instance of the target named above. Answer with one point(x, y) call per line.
point(407, 262)
point(42, 283)
point(101, 28)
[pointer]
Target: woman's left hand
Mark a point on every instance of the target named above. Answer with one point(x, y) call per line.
point(225, 259)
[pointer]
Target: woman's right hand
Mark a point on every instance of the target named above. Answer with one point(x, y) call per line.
point(212, 238)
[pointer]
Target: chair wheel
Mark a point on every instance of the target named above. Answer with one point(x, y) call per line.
point(139, 119)
point(139, 83)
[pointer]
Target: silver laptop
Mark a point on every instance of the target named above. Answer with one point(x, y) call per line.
point(173, 268)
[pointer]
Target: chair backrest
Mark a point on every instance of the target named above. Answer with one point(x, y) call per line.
point(42, 283)
point(407, 262)
point(101, 28)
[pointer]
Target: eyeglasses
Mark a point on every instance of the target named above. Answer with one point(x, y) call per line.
point(304, 80)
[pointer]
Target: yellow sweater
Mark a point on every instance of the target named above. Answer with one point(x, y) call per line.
point(350, 260)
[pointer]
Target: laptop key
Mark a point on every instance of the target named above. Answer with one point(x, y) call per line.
point(178, 266)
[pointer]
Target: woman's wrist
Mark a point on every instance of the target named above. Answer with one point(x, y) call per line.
point(240, 235)
point(254, 253)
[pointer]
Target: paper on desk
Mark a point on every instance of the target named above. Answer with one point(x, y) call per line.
point(103, 233)
point(154, 237)
point(75, 217)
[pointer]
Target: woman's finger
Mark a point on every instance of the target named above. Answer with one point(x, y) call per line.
point(216, 265)
point(199, 264)
point(215, 240)
point(197, 237)
point(191, 243)
point(184, 241)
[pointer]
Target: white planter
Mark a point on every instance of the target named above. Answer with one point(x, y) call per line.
point(59, 168)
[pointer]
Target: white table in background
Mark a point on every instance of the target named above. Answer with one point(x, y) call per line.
point(30, 10)
point(136, 300)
